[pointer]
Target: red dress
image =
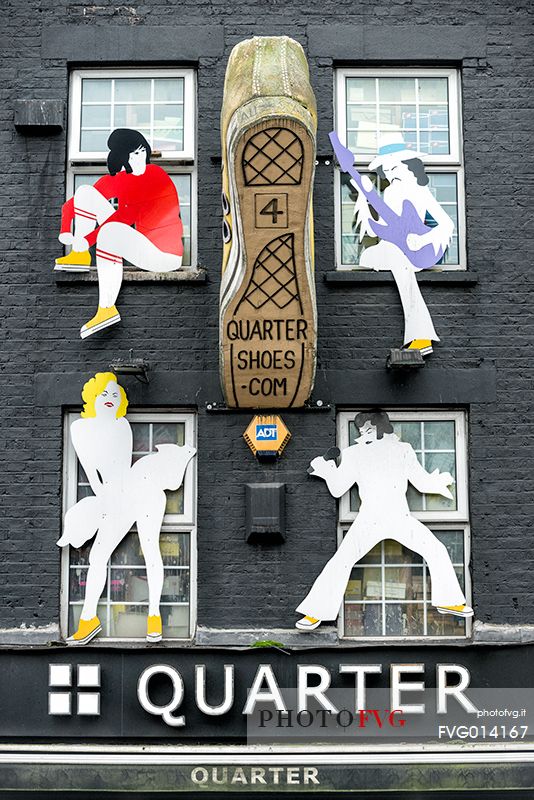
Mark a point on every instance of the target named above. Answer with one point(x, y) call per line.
point(148, 201)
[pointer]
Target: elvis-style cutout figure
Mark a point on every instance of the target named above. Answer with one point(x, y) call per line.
point(406, 244)
point(145, 228)
point(124, 495)
point(381, 466)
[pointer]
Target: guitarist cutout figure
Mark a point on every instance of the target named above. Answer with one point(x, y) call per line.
point(406, 244)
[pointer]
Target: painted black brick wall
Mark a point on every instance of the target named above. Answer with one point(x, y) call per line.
point(175, 327)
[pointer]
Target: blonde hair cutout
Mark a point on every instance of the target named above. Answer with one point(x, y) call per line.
point(96, 386)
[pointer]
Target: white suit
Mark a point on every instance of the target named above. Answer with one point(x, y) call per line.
point(382, 469)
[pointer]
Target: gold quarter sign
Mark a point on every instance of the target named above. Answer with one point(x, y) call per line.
point(267, 307)
point(267, 434)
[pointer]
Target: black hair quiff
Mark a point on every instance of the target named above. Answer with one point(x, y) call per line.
point(121, 143)
point(376, 417)
point(415, 165)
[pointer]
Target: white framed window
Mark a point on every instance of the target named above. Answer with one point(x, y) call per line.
point(123, 606)
point(388, 594)
point(160, 104)
point(424, 105)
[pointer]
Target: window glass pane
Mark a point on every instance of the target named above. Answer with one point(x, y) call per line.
point(96, 117)
point(133, 116)
point(395, 118)
point(128, 552)
point(78, 582)
point(170, 89)
point(85, 179)
point(363, 620)
point(363, 140)
point(175, 501)
point(439, 435)
point(128, 622)
point(361, 90)
point(356, 115)
point(396, 89)
point(409, 432)
point(168, 433)
point(96, 90)
point(403, 583)
point(444, 462)
point(169, 116)
point(175, 621)
point(175, 549)
point(128, 89)
point(365, 584)
point(141, 437)
point(415, 499)
point(168, 139)
point(94, 141)
point(405, 620)
point(444, 624)
point(373, 556)
point(396, 553)
point(175, 586)
point(454, 542)
point(433, 90)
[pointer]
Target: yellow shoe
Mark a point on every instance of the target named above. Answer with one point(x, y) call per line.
point(423, 345)
point(307, 624)
point(154, 628)
point(87, 630)
point(103, 318)
point(74, 262)
point(456, 611)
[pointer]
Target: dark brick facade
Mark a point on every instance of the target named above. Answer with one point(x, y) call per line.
point(175, 326)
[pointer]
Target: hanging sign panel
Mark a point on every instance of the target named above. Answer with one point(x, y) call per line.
point(267, 302)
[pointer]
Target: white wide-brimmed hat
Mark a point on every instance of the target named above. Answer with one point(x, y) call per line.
point(392, 149)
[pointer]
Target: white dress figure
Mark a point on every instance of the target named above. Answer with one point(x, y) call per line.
point(381, 466)
point(124, 495)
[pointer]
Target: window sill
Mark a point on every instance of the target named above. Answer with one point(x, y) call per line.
point(350, 277)
point(187, 275)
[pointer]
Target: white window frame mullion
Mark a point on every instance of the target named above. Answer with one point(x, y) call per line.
point(453, 162)
point(425, 638)
point(461, 514)
point(75, 155)
point(454, 158)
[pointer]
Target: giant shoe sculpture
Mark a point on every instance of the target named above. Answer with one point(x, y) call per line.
point(267, 305)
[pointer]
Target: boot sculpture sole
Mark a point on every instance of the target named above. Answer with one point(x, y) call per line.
point(268, 317)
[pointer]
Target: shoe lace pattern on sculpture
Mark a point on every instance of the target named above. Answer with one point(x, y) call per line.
point(274, 277)
point(273, 156)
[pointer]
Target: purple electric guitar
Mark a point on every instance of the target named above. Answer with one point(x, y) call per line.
point(394, 228)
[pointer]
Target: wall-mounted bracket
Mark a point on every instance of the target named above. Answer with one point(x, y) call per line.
point(138, 367)
point(404, 359)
